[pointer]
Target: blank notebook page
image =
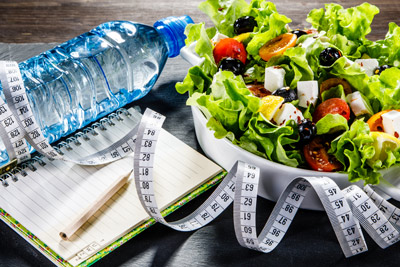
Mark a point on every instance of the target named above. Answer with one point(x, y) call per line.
point(46, 200)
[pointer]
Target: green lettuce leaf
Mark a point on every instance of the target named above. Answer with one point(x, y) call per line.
point(219, 130)
point(273, 142)
point(223, 13)
point(352, 73)
point(346, 29)
point(195, 81)
point(385, 88)
point(387, 51)
point(307, 113)
point(334, 92)
point(270, 23)
point(325, 20)
point(349, 48)
point(254, 73)
point(198, 78)
point(353, 23)
point(232, 113)
point(229, 102)
point(204, 48)
point(353, 149)
point(274, 26)
point(341, 66)
point(261, 10)
point(312, 54)
point(295, 63)
point(331, 123)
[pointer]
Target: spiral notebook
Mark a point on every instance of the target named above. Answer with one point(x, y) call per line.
point(40, 197)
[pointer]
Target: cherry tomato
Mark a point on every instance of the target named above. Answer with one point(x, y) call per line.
point(318, 158)
point(331, 106)
point(229, 47)
point(277, 46)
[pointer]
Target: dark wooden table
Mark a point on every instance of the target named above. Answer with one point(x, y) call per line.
point(25, 21)
point(309, 242)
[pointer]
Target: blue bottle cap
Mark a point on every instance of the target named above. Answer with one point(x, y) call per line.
point(173, 28)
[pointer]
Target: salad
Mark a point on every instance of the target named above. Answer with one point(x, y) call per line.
point(324, 98)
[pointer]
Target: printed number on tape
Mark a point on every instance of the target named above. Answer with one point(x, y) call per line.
point(347, 209)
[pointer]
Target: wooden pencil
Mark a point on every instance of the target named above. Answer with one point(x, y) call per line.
point(93, 207)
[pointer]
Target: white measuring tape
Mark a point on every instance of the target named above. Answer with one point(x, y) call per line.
point(347, 209)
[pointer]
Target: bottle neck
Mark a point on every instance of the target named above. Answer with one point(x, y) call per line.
point(173, 31)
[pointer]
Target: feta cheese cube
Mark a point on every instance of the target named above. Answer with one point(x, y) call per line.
point(287, 112)
point(307, 92)
point(189, 54)
point(274, 78)
point(357, 104)
point(368, 65)
point(391, 123)
point(218, 37)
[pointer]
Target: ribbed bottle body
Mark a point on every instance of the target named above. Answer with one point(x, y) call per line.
point(91, 75)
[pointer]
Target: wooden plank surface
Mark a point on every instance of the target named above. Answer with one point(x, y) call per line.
point(310, 241)
point(25, 21)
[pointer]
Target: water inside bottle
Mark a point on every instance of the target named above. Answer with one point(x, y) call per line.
point(91, 76)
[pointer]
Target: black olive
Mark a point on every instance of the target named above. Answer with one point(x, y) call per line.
point(299, 33)
point(232, 64)
point(307, 131)
point(328, 56)
point(379, 70)
point(244, 24)
point(288, 94)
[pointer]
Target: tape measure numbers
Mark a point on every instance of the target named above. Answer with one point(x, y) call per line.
point(346, 209)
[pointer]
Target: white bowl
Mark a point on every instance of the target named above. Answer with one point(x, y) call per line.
point(274, 176)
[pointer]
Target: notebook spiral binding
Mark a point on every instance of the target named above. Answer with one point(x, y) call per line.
point(83, 133)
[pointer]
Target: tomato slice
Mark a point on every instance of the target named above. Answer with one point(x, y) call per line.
point(375, 122)
point(277, 46)
point(333, 82)
point(331, 106)
point(318, 158)
point(229, 47)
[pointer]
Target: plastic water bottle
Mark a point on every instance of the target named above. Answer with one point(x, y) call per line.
point(96, 73)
